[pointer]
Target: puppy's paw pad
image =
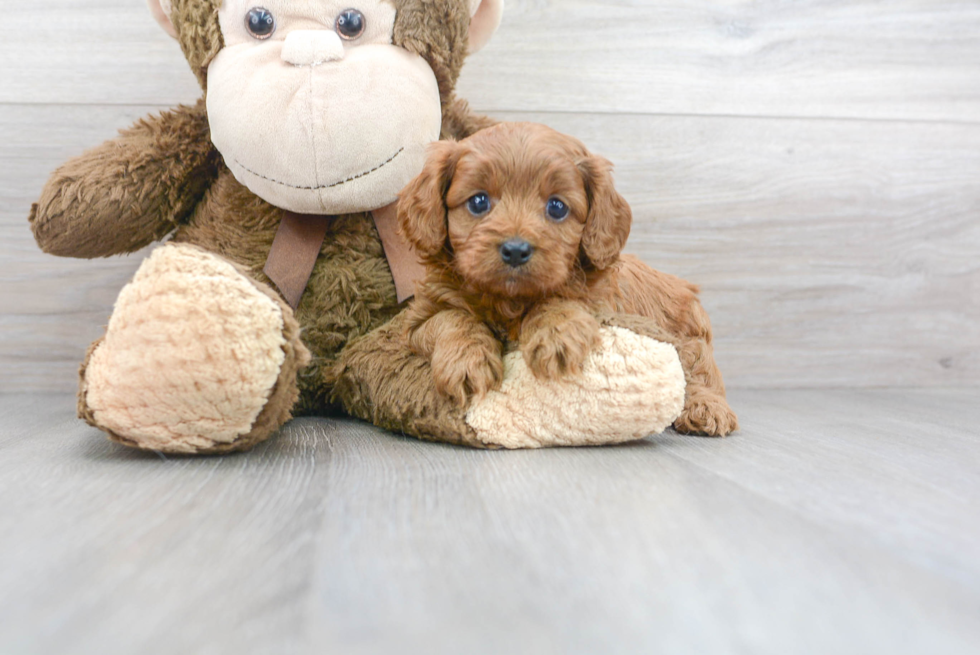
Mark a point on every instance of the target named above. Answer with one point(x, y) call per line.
point(711, 417)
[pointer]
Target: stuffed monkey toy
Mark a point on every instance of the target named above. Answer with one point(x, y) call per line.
point(280, 288)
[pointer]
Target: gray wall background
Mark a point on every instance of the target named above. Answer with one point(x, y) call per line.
point(813, 164)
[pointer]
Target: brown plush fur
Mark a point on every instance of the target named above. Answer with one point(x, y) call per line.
point(198, 32)
point(129, 192)
point(472, 302)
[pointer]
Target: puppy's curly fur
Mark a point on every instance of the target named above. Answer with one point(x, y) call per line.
point(477, 298)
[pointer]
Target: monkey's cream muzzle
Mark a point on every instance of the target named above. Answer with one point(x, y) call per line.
point(318, 126)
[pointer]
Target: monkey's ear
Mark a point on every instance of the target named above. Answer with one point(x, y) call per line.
point(486, 19)
point(422, 212)
point(608, 224)
point(161, 11)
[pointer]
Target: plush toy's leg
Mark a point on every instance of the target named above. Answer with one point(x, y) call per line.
point(198, 358)
point(706, 411)
point(379, 379)
point(631, 387)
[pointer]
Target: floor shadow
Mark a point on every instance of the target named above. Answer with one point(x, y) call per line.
point(97, 447)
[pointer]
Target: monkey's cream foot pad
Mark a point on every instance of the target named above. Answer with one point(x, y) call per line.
point(190, 357)
point(631, 387)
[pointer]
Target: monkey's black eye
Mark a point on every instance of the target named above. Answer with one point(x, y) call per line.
point(350, 24)
point(557, 210)
point(260, 22)
point(478, 204)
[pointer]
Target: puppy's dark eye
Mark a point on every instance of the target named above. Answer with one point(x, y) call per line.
point(557, 210)
point(260, 22)
point(478, 204)
point(350, 24)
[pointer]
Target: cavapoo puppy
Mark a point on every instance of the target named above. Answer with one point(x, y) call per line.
point(520, 229)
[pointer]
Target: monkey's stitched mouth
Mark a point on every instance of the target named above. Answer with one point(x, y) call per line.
point(323, 186)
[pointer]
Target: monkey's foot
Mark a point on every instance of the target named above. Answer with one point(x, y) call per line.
point(631, 386)
point(198, 358)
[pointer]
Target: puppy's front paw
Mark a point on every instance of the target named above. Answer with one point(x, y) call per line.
point(461, 372)
point(556, 352)
point(707, 415)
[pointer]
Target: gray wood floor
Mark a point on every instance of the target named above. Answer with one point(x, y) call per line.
point(835, 522)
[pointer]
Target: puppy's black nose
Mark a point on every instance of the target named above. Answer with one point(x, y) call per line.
point(516, 252)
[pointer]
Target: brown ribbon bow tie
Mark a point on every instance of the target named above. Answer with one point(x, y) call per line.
point(297, 245)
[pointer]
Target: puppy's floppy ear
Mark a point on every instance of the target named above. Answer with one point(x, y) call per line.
point(608, 224)
point(422, 212)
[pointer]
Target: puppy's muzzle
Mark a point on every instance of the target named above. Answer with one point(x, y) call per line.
point(516, 252)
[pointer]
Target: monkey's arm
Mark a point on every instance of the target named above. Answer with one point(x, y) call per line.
point(130, 191)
